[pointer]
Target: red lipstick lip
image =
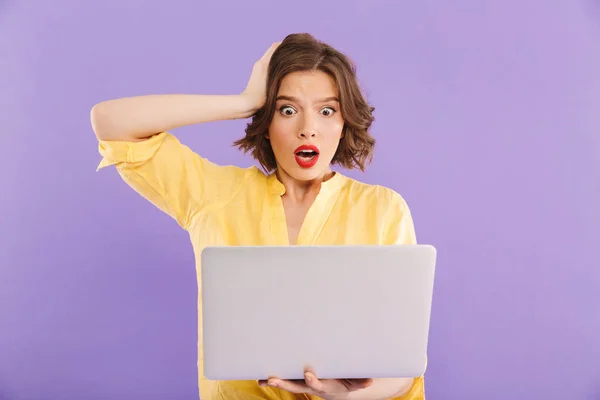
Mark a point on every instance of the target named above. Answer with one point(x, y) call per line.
point(303, 162)
point(307, 147)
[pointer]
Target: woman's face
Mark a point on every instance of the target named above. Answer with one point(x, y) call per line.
point(307, 125)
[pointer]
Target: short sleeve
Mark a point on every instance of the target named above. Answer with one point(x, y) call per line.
point(399, 223)
point(171, 176)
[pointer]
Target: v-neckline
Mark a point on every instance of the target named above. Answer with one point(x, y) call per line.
point(315, 218)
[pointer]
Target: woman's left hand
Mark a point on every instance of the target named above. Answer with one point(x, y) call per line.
point(328, 389)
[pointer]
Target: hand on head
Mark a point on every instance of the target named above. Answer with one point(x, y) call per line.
point(256, 89)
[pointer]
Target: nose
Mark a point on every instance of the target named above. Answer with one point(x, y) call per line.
point(307, 134)
point(308, 127)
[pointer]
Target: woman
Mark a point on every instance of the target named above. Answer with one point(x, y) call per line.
point(307, 113)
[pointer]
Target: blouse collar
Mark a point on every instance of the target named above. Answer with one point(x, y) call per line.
point(331, 185)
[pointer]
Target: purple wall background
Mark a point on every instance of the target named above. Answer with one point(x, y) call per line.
point(488, 122)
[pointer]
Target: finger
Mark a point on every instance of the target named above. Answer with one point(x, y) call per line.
point(325, 386)
point(292, 386)
point(317, 385)
point(334, 385)
point(356, 384)
point(271, 50)
point(271, 380)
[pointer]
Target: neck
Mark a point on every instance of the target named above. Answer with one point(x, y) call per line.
point(300, 191)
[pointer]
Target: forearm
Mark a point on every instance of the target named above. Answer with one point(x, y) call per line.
point(382, 389)
point(137, 118)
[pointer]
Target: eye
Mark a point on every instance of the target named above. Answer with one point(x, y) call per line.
point(287, 110)
point(327, 111)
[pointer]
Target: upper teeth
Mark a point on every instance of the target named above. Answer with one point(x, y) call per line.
point(306, 152)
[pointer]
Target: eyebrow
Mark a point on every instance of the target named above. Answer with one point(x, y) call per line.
point(324, 100)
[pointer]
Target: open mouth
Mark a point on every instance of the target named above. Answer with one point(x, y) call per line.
point(307, 156)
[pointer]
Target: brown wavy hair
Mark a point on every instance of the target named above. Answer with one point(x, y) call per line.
point(303, 52)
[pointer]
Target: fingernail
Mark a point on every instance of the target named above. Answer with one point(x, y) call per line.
point(273, 383)
point(308, 378)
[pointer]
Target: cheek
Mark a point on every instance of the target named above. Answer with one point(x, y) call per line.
point(334, 131)
point(278, 135)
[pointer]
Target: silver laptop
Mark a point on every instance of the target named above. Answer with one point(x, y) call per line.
point(346, 311)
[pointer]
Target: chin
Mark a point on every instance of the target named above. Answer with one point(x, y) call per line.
point(307, 174)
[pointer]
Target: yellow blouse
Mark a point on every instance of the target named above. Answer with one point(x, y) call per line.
point(228, 205)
